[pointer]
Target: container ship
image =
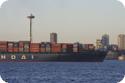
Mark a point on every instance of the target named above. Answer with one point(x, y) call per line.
point(46, 51)
point(49, 51)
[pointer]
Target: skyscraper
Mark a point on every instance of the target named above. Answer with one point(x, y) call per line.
point(121, 42)
point(98, 44)
point(53, 38)
point(105, 40)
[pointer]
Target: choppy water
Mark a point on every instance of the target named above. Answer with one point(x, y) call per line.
point(63, 72)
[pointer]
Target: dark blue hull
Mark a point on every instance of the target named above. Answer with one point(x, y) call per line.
point(87, 56)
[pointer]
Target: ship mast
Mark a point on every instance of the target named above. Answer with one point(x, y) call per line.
point(30, 18)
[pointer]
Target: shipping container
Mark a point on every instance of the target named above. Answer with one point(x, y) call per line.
point(84, 47)
point(15, 49)
point(26, 50)
point(48, 44)
point(88, 47)
point(21, 44)
point(10, 49)
point(66, 47)
point(15, 44)
point(24, 46)
point(3, 42)
point(91, 46)
point(48, 49)
point(21, 49)
point(43, 44)
point(43, 47)
point(27, 45)
point(34, 47)
point(69, 47)
point(76, 47)
point(56, 48)
point(3, 49)
point(3, 46)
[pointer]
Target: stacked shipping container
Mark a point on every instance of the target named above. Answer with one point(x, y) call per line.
point(43, 47)
point(76, 47)
point(26, 46)
point(34, 47)
point(15, 47)
point(10, 47)
point(48, 47)
point(56, 48)
point(66, 47)
point(3, 46)
point(87, 47)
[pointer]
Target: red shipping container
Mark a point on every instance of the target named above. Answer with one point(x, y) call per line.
point(34, 45)
point(3, 49)
point(56, 47)
point(32, 50)
point(21, 49)
point(42, 49)
point(69, 47)
point(3, 42)
point(21, 45)
point(3, 46)
point(16, 49)
point(64, 45)
point(10, 49)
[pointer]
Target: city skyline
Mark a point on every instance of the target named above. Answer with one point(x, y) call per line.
point(73, 20)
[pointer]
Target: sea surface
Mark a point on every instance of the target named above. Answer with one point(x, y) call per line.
point(109, 71)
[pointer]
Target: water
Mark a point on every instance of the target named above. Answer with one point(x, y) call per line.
point(63, 72)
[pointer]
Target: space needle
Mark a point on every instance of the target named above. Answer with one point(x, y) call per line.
point(30, 18)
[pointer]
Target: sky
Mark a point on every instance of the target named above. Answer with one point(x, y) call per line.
point(73, 20)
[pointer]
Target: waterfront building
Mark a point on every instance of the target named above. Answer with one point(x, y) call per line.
point(121, 42)
point(53, 38)
point(105, 40)
point(99, 44)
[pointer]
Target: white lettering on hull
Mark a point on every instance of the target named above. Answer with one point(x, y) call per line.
point(3, 57)
point(13, 57)
point(23, 57)
point(32, 57)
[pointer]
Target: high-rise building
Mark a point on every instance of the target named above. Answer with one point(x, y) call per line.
point(98, 44)
point(105, 40)
point(53, 38)
point(121, 42)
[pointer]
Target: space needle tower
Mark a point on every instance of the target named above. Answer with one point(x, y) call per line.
point(30, 18)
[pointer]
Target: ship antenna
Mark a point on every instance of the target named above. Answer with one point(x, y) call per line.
point(30, 18)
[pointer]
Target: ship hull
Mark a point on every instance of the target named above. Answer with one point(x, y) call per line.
point(91, 56)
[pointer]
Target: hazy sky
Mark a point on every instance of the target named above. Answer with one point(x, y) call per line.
point(73, 20)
